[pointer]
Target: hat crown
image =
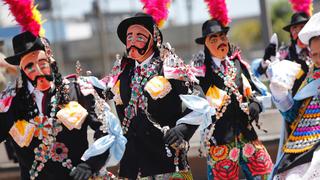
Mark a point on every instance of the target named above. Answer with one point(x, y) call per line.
point(23, 44)
point(211, 26)
point(23, 41)
point(299, 17)
point(139, 18)
point(142, 14)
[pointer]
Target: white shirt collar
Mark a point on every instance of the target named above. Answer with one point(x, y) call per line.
point(298, 49)
point(38, 95)
point(217, 61)
point(147, 61)
point(31, 88)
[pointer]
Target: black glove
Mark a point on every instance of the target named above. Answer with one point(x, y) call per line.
point(254, 110)
point(269, 51)
point(177, 134)
point(82, 172)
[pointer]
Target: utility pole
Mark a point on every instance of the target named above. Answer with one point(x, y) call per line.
point(54, 14)
point(102, 35)
point(265, 22)
point(189, 28)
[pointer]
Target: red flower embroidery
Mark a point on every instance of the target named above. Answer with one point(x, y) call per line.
point(226, 169)
point(260, 163)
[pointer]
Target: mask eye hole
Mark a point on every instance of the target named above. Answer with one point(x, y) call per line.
point(29, 68)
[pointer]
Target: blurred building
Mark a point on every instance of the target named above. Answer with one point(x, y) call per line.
point(93, 41)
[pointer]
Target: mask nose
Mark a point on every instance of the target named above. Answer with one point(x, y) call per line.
point(39, 70)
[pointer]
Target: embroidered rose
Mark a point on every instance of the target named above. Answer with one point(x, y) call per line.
point(248, 150)
point(234, 154)
point(260, 163)
point(219, 152)
point(226, 169)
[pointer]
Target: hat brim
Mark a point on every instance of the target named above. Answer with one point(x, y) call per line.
point(125, 24)
point(201, 40)
point(15, 59)
point(287, 28)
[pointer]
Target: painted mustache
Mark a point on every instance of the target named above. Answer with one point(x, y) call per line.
point(140, 50)
point(47, 77)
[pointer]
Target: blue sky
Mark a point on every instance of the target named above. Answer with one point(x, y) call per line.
point(178, 12)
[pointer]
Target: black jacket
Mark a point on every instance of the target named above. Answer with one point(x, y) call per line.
point(75, 140)
point(234, 121)
point(145, 150)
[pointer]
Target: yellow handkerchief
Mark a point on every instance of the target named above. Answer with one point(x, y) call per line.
point(22, 132)
point(116, 91)
point(158, 87)
point(216, 97)
point(72, 115)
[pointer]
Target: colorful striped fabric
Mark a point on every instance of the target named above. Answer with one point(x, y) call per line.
point(306, 128)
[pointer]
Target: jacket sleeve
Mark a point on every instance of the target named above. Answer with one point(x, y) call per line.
point(89, 103)
point(92, 117)
point(181, 89)
point(5, 125)
point(7, 120)
point(291, 114)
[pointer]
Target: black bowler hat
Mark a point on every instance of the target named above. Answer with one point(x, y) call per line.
point(211, 27)
point(297, 18)
point(23, 44)
point(142, 19)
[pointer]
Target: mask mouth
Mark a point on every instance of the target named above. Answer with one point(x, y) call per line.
point(223, 45)
point(34, 82)
point(141, 51)
point(47, 77)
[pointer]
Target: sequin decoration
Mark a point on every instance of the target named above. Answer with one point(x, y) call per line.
point(231, 88)
point(306, 132)
point(138, 100)
point(42, 153)
point(49, 148)
point(58, 152)
point(43, 127)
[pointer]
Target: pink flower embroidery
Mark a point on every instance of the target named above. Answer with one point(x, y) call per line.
point(234, 154)
point(248, 150)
